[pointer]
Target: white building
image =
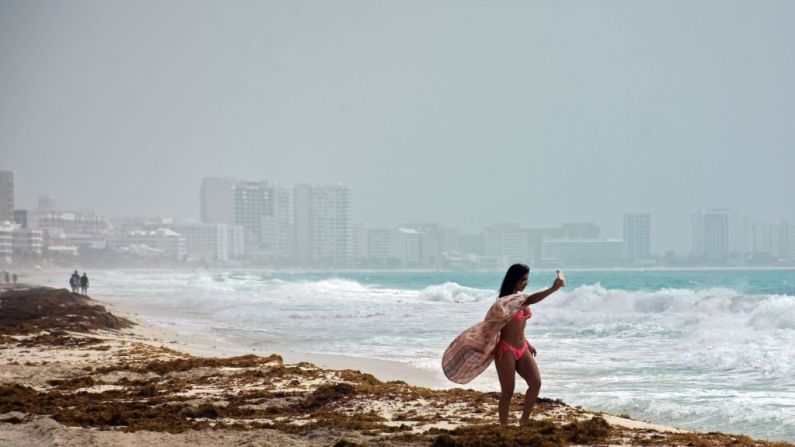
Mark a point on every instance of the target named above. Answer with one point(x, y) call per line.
point(6, 196)
point(408, 247)
point(216, 200)
point(508, 243)
point(776, 239)
point(262, 209)
point(69, 222)
point(577, 230)
point(323, 227)
point(719, 234)
point(585, 252)
point(438, 242)
point(207, 242)
point(253, 201)
point(276, 227)
point(162, 240)
point(375, 247)
point(637, 236)
point(6, 239)
point(236, 241)
point(472, 244)
point(27, 242)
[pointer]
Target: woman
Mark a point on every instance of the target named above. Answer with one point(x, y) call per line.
point(514, 354)
point(500, 338)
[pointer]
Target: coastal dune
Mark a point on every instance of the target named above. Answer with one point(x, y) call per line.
point(73, 374)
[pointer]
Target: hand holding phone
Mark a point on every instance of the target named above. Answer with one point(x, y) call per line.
point(561, 278)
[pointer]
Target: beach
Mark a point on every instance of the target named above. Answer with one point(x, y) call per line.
point(76, 374)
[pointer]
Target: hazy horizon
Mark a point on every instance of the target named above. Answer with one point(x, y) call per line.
point(463, 113)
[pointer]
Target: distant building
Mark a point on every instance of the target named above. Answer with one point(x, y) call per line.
point(126, 225)
point(577, 230)
point(437, 242)
point(162, 240)
point(252, 201)
point(535, 240)
point(507, 242)
point(585, 252)
point(66, 232)
point(70, 223)
point(323, 227)
point(375, 247)
point(408, 247)
point(6, 239)
point(236, 243)
point(277, 237)
point(217, 200)
point(21, 218)
point(637, 236)
point(46, 204)
point(262, 209)
point(27, 242)
point(776, 239)
point(719, 234)
point(381, 244)
point(209, 242)
point(474, 244)
point(6, 196)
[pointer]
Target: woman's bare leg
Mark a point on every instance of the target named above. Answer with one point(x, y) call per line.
point(527, 367)
point(506, 371)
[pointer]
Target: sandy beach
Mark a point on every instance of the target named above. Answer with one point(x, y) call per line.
point(74, 373)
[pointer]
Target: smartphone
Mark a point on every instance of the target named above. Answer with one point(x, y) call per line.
point(561, 276)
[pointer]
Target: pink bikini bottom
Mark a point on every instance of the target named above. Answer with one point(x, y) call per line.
point(504, 347)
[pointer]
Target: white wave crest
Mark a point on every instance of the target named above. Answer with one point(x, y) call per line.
point(683, 307)
point(451, 292)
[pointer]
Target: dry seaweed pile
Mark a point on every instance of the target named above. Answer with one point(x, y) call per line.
point(158, 389)
point(30, 311)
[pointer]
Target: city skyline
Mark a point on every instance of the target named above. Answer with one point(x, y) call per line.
point(310, 224)
point(612, 230)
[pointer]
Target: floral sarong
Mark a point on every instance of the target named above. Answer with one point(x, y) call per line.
point(473, 350)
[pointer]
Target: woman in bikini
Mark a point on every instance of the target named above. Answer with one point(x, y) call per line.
point(513, 353)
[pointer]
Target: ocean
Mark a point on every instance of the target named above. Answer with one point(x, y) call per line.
point(702, 350)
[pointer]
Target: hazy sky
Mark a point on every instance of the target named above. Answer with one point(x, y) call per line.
point(461, 112)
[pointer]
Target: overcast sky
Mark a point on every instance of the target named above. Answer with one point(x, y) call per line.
point(461, 112)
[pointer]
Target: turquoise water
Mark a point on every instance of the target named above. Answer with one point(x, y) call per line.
point(743, 281)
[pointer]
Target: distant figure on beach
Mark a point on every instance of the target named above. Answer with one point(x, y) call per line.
point(14, 278)
point(74, 281)
point(84, 284)
point(7, 277)
point(500, 338)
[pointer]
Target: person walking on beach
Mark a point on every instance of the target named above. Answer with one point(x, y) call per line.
point(500, 338)
point(74, 281)
point(84, 284)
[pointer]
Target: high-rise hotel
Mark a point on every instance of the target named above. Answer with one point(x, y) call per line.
point(719, 233)
point(323, 227)
point(637, 236)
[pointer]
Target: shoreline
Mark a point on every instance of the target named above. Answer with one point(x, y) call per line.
point(196, 345)
point(61, 270)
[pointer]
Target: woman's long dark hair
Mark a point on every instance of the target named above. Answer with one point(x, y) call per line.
point(512, 276)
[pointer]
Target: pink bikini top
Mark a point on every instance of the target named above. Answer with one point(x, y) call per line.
point(524, 313)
